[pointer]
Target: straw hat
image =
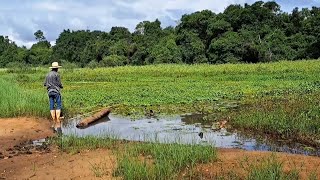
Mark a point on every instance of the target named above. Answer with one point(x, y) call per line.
point(55, 65)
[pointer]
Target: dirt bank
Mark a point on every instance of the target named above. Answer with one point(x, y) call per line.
point(240, 162)
point(14, 131)
point(44, 163)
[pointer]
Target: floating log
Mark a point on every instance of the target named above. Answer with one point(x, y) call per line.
point(93, 118)
point(102, 120)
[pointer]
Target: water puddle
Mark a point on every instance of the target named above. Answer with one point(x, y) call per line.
point(39, 142)
point(187, 129)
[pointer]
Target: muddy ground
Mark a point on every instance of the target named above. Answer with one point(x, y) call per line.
point(20, 161)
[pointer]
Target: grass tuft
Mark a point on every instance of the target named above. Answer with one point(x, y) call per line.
point(74, 144)
point(161, 161)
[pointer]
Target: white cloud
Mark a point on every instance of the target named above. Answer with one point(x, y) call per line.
point(77, 23)
point(48, 6)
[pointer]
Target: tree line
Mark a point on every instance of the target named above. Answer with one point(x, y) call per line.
point(260, 32)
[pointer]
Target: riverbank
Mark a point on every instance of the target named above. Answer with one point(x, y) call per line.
point(92, 162)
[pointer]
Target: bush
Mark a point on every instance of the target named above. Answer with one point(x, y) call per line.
point(113, 60)
point(200, 59)
point(92, 64)
point(19, 67)
point(68, 65)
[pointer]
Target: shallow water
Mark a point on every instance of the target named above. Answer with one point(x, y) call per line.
point(181, 129)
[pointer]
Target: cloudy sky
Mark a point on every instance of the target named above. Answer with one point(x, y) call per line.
point(19, 19)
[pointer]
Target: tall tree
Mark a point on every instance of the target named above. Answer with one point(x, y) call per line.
point(9, 52)
point(167, 51)
point(197, 23)
point(39, 36)
point(70, 45)
point(192, 48)
point(257, 32)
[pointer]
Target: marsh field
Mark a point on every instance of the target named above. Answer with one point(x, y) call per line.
point(279, 100)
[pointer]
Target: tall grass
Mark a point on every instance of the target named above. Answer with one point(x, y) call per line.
point(74, 144)
point(271, 169)
point(16, 101)
point(142, 160)
point(296, 117)
point(161, 161)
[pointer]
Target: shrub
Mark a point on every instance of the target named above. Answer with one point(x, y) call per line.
point(113, 60)
point(68, 65)
point(19, 67)
point(92, 64)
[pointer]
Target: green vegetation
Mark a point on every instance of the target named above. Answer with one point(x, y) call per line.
point(280, 98)
point(291, 116)
point(258, 32)
point(161, 161)
point(194, 87)
point(74, 144)
point(20, 102)
point(142, 160)
point(175, 161)
point(270, 168)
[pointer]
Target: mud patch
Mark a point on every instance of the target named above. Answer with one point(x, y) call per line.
point(17, 135)
point(26, 147)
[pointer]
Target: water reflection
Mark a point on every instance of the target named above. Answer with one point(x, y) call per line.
point(187, 129)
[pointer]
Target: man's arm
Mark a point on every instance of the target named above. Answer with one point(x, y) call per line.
point(45, 82)
point(59, 81)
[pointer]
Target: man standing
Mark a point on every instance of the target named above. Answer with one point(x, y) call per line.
point(54, 86)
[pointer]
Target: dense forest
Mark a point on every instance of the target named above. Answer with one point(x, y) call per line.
point(259, 32)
